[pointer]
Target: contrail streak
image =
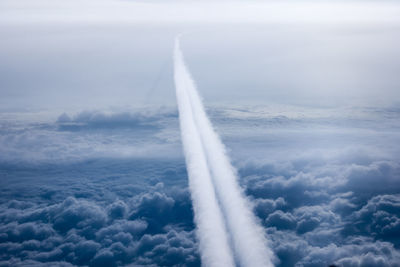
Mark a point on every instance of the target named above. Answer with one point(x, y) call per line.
point(249, 242)
point(211, 232)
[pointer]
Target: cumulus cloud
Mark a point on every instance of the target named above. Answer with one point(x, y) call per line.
point(90, 134)
point(321, 217)
point(151, 228)
point(318, 205)
point(148, 230)
point(95, 120)
point(379, 218)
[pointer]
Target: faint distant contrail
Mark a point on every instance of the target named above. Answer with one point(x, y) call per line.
point(211, 232)
point(249, 243)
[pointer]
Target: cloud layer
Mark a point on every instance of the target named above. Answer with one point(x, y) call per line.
point(323, 182)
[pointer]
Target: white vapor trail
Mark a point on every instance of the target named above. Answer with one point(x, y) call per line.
point(249, 242)
point(211, 232)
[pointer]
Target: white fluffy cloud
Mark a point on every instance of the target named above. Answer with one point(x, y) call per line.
point(320, 203)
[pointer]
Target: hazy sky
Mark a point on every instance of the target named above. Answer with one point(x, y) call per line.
point(94, 54)
point(304, 95)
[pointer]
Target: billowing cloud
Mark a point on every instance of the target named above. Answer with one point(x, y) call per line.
point(90, 134)
point(320, 203)
point(81, 232)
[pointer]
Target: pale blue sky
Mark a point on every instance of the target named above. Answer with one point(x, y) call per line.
point(72, 55)
point(304, 95)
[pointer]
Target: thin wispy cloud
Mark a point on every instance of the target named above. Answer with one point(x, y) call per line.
point(304, 95)
point(211, 231)
point(249, 243)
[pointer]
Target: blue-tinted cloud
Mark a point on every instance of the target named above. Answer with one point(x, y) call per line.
point(80, 232)
point(320, 203)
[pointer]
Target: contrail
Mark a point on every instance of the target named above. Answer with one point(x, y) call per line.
point(249, 242)
point(211, 232)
